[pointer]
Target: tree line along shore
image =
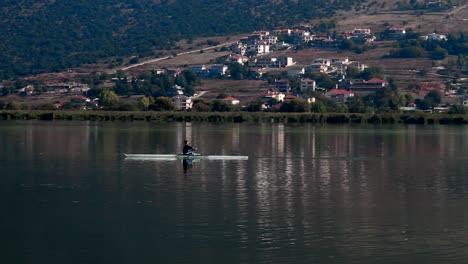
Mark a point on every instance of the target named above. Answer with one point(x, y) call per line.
point(237, 117)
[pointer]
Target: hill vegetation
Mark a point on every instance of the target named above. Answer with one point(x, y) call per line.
point(48, 35)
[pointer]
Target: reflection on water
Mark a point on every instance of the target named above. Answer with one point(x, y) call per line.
point(307, 194)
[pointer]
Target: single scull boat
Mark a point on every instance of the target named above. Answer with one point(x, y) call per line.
point(182, 156)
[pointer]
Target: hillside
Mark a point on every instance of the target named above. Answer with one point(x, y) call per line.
point(49, 35)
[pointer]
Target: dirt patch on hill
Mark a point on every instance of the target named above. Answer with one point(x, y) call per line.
point(244, 90)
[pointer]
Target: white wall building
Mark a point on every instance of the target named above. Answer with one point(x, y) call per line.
point(182, 102)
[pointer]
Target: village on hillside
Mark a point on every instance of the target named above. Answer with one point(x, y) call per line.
point(268, 57)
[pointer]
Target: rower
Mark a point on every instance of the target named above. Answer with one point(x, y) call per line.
point(187, 149)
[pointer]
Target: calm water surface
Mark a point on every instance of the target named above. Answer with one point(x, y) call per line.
point(307, 194)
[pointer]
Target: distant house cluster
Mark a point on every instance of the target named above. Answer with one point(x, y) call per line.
point(359, 35)
point(264, 42)
point(209, 71)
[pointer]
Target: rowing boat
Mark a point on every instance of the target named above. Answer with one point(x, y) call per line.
point(182, 156)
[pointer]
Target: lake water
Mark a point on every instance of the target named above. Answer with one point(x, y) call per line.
point(307, 194)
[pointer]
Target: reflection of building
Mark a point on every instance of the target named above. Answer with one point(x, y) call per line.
point(182, 102)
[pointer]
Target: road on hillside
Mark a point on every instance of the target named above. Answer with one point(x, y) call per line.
point(195, 96)
point(179, 54)
point(458, 9)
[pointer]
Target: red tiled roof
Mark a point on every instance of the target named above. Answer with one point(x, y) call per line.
point(290, 96)
point(338, 92)
point(230, 98)
point(376, 80)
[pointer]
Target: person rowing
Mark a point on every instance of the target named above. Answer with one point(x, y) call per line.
point(187, 149)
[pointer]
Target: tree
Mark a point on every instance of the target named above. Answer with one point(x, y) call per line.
point(6, 91)
point(355, 105)
point(433, 96)
point(163, 103)
point(201, 105)
point(297, 105)
point(145, 102)
point(318, 107)
point(458, 109)
point(372, 72)
point(109, 99)
point(352, 72)
point(191, 78)
point(237, 71)
point(255, 106)
point(439, 54)
point(12, 106)
point(221, 106)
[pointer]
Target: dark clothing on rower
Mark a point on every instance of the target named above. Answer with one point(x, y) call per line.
point(187, 149)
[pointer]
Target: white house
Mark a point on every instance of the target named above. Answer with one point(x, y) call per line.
point(435, 36)
point(260, 48)
point(241, 59)
point(182, 102)
point(179, 89)
point(285, 62)
point(278, 96)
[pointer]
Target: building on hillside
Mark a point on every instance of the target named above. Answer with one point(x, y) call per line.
point(434, 36)
point(28, 90)
point(464, 101)
point(158, 71)
point(285, 62)
point(308, 84)
point(182, 102)
point(241, 59)
point(317, 67)
point(302, 36)
point(199, 69)
point(362, 87)
point(296, 72)
point(289, 97)
point(267, 95)
point(282, 86)
point(231, 100)
point(363, 31)
point(339, 95)
point(218, 70)
point(179, 89)
point(396, 32)
point(340, 61)
point(173, 72)
point(259, 48)
point(326, 62)
point(239, 48)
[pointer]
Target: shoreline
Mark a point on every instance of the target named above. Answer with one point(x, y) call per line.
point(236, 117)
